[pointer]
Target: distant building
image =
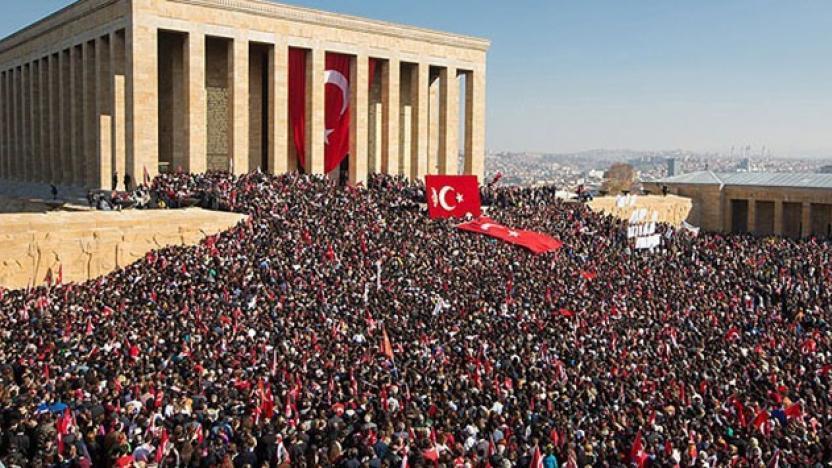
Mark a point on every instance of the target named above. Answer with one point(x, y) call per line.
point(673, 168)
point(745, 165)
point(825, 170)
point(764, 203)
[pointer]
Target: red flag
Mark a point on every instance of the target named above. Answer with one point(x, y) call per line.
point(733, 334)
point(536, 242)
point(60, 278)
point(146, 176)
point(761, 418)
point(297, 101)
point(588, 275)
point(537, 459)
point(163, 446)
point(452, 196)
point(637, 454)
point(386, 347)
point(567, 313)
point(62, 427)
point(432, 455)
point(794, 411)
point(337, 110)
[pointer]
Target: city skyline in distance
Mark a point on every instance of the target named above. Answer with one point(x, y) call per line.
point(646, 75)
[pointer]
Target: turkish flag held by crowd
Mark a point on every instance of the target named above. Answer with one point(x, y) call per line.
point(337, 110)
point(537, 242)
point(452, 196)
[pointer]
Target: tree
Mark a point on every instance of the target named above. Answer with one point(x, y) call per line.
point(618, 178)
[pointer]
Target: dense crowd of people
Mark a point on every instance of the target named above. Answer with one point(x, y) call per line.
point(338, 326)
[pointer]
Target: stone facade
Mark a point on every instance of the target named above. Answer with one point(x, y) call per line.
point(132, 86)
point(762, 210)
point(89, 244)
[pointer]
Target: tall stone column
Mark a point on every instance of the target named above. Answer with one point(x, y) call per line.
point(4, 125)
point(8, 119)
point(35, 171)
point(238, 79)
point(10, 124)
point(377, 130)
point(315, 117)
point(20, 136)
point(806, 220)
point(448, 121)
point(406, 140)
point(278, 134)
point(419, 121)
point(64, 96)
point(142, 98)
point(4, 139)
point(45, 129)
point(54, 118)
point(475, 123)
point(119, 108)
point(196, 102)
point(778, 217)
point(752, 216)
point(91, 167)
point(103, 112)
point(26, 122)
point(76, 112)
point(11, 84)
point(433, 123)
point(4, 122)
point(390, 89)
point(31, 124)
point(359, 106)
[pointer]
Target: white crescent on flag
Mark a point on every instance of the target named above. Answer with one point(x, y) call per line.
point(442, 201)
point(338, 79)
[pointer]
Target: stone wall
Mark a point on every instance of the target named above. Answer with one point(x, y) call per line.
point(671, 209)
point(90, 244)
point(218, 101)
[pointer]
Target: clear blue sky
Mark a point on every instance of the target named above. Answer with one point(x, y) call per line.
point(567, 75)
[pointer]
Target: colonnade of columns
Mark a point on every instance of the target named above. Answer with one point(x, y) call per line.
point(80, 113)
point(764, 217)
point(391, 126)
point(62, 113)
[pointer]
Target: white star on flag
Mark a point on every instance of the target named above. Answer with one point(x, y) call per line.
point(514, 234)
point(459, 198)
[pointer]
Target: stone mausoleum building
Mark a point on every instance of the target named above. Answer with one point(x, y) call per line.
point(142, 86)
point(794, 205)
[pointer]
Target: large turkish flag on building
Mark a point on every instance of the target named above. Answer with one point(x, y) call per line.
point(536, 242)
point(337, 110)
point(452, 196)
point(297, 101)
